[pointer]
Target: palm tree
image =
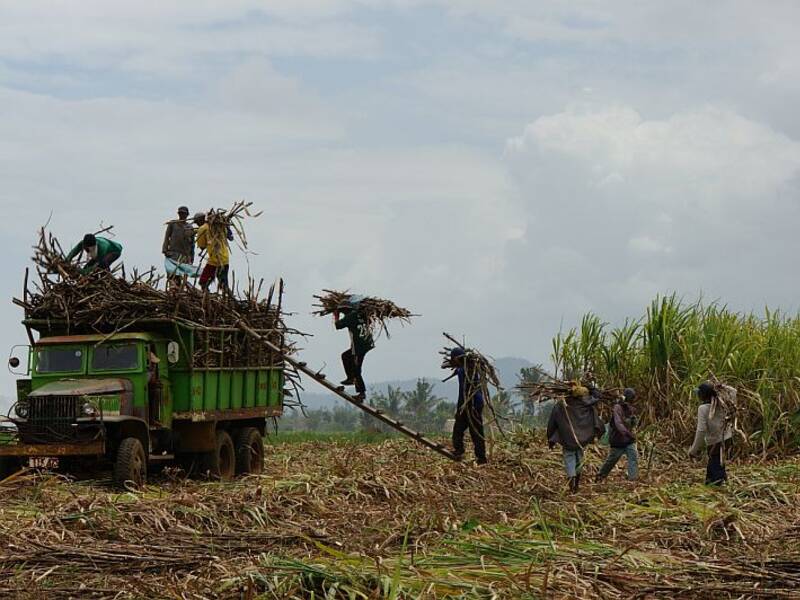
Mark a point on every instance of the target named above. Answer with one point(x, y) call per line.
point(419, 405)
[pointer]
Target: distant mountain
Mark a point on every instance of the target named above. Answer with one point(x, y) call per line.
point(507, 368)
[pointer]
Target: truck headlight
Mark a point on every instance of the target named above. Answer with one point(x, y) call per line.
point(21, 410)
point(90, 410)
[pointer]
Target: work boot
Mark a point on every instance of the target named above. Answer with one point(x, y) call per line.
point(573, 485)
point(348, 382)
point(577, 481)
point(360, 397)
point(482, 460)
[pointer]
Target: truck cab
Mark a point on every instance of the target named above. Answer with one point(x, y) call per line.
point(88, 393)
point(133, 398)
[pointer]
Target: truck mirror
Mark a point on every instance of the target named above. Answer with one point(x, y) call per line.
point(173, 352)
point(19, 355)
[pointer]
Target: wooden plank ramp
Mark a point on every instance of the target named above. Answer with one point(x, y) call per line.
point(339, 390)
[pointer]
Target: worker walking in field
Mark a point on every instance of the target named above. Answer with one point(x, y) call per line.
point(178, 246)
point(621, 438)
point(101, 252)
point(574, 424)
point(713, 429)
point(361, 342)
point(218, 253)
point(469, 410)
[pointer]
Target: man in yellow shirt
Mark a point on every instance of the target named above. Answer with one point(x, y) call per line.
point(218, 254)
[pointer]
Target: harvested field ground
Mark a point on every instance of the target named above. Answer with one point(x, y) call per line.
point(344, 518)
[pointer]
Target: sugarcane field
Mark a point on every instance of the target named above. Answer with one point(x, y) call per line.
point(424, 300)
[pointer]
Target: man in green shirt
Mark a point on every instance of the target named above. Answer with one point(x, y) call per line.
point(101, 252)
point(361, 342)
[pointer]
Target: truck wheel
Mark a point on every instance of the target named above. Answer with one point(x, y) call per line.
point(8, 466)
point(249, 451)
point(221, 463)
point(131, 463)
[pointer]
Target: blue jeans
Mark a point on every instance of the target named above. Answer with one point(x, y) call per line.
point(573, 461)
point(613, 457)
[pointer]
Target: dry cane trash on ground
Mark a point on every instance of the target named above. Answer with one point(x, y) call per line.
point(346, 519)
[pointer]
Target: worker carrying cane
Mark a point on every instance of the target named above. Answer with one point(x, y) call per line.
point(469, 409)
point(352, 318)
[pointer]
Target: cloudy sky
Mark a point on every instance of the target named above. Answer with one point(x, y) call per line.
point(500, 167)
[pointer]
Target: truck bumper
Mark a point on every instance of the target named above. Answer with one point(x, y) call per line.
point(46, 450)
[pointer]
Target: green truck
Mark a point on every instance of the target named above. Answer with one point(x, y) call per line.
point(166, 391)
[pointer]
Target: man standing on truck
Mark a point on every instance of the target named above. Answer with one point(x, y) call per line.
point(361, 342)
point(178, 246)
point(218, 254)
point(101, 252)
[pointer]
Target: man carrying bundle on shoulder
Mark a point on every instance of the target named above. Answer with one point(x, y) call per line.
point(621, 438)
point(574, 424)
point(469, 410)
point(353, 319)
point(178, 247)
point(714, 428)
point(217, 261)
point(101, 252)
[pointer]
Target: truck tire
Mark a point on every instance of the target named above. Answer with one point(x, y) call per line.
point(221, 462)
point(9, 465)
point(131, 463)
point(249, 451)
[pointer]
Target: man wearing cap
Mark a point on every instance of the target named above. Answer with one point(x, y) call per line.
point(574, 424)
point(621, 437)
point(178, 246)
point(469, 411)
point(101, 252)
point(361, 342)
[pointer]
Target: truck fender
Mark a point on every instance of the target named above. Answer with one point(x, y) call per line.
point(121, 427)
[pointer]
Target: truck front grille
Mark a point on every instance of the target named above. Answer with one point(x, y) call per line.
point(52, 416)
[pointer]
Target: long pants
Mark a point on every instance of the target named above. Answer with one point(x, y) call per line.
point(613, 457)
point(352, 364)
point(209, 271)
point(573, 461)
point(715, 471)
point(469, 417)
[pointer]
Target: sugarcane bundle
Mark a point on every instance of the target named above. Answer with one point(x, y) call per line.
point(552, 389)
point(376, 311)
point(102, 302)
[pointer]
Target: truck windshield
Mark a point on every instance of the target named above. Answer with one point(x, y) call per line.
point(115, 357)
point(59, 360)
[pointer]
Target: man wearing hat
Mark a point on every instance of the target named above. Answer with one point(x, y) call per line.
point(101, 252)
point(469, 410)
point(621, 437)
point(178, 246)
